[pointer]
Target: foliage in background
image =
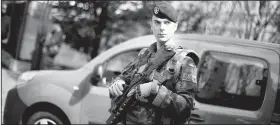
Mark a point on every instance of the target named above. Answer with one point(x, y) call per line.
point(101, 25)
point(104, 23)
point(254, 20)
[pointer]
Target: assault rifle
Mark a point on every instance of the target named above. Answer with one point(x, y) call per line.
point(119, 107)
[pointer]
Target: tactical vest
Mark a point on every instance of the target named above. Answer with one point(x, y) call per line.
point(175, 67)
point(169, 73)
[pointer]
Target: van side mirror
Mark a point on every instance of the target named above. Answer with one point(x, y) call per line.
point(98, 74)
point(100, 70)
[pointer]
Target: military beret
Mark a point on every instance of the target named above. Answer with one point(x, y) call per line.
point(165, 10)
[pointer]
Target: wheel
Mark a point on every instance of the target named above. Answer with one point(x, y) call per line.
point(43, 117)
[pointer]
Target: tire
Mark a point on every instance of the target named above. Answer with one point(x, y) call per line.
point(43, 117)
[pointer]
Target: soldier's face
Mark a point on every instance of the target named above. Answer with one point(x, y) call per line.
point(163, 29)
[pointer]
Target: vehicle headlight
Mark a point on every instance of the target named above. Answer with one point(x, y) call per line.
point(25, 77)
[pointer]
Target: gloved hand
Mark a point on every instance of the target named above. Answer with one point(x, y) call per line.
point(144, 90)
point(116, 88)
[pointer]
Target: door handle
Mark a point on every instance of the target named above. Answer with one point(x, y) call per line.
point(196, 118)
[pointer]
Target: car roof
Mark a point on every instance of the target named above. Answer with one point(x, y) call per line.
point(149, 39)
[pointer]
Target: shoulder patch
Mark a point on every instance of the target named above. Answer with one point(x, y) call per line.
point(189, 77)
point(188, 70)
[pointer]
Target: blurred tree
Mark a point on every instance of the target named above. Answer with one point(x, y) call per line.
point(275, 37)
point(191, 17)
point(266, 12)
point(73, 12)
point(127, 22)
point(101, 21)
point(259, 18)
point(199, 16)
point(255, 20)
point(98, 25)
point(226, 21)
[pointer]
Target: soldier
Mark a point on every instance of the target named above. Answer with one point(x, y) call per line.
point(171, 102)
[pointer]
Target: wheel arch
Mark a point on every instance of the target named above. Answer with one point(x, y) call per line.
point(47, 94)
point(44, 106)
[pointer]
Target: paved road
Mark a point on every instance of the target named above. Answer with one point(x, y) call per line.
point(8, 82)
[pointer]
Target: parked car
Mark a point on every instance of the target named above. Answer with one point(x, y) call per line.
point(238, 83)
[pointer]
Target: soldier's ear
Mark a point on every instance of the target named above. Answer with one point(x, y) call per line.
point(176, 26)
point(150, 22)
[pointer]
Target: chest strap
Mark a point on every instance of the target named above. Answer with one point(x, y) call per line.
point(161, 78)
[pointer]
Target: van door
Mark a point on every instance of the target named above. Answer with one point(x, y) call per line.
point(96, 103)
point(275, 120)
point(237, 85)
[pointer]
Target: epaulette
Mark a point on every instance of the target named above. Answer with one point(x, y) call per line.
point(194, 56)
point(143, 51)
point(190, 53)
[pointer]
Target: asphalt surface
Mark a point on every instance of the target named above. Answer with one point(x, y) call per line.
point(8, 80)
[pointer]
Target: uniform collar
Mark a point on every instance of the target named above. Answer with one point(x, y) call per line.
point(153, 47)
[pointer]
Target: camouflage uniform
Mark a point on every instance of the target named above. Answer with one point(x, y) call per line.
point(174, 100)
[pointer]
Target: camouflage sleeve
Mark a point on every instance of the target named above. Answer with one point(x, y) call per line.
point(179, 104)
point(128, 71)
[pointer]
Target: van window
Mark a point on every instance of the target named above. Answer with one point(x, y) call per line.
point(117, 63)
point(231, 80)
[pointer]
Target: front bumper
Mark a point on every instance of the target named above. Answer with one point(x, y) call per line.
point(14, 108)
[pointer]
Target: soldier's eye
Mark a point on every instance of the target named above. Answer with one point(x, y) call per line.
point(157, 22)
point(166, 22)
